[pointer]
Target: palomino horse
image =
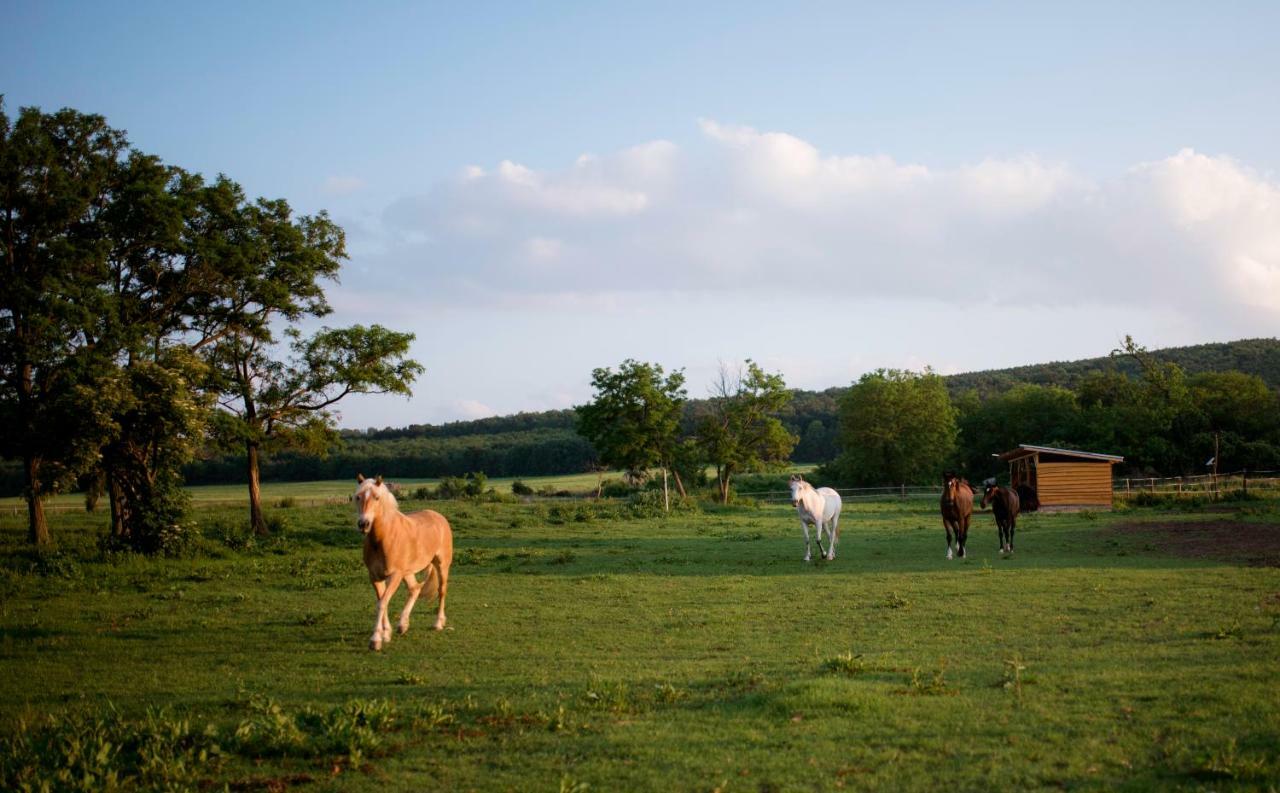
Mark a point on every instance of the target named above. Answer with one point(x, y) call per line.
point(818, 508)
point(396, 547)
point(957, 509)
point(1004, 505)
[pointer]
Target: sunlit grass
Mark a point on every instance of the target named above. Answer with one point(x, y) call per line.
point(641, 653)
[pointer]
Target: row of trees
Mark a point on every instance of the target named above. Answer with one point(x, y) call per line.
point(139, 322)
point(637, 422)
point(903, 427)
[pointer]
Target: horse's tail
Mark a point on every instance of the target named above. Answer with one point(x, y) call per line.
point(430, 583)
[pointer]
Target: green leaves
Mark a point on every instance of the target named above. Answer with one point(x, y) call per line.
point(895, 426)
point(634, 420)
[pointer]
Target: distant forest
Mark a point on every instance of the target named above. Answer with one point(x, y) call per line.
point(533, 444)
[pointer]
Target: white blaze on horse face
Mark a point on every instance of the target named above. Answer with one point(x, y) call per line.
point(366, 495)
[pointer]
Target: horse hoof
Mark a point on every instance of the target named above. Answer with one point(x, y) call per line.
point(375, 644)
point(439, 626)
point(402, 629)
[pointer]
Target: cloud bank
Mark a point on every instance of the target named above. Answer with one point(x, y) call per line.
point(769, 213)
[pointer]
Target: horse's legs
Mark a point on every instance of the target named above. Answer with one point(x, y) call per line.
point(834, 535)
point(962, 536)
point(1013, 523)
point(410, 581)
point(946, 525)
point(442, 576)
point(805, 526)
point(381, 625)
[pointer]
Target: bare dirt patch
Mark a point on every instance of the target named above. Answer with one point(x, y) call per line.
point(1253, 544)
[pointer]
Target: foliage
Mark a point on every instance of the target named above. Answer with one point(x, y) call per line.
point(57, 171)
point(634, 419)
point(738, 429)
point(895, 427)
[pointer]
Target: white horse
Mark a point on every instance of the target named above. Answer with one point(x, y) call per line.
point(818, 508)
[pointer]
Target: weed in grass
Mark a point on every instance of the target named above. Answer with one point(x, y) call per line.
point(1013, 669)
point(106, 752)
point(1231, 630)
point(668, 694)
point(1229, 763)
point(845, 664)
point(570, 785)
point(895, 601)
point(918, 685)
point(564, 557)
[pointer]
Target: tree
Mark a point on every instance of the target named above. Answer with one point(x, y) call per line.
point(57, 173)
point(896, 427)
point(1242, 412)
point(1035, 414)
point(739, 429)
point(270, 404)
point(273, 265)
point(634, 419)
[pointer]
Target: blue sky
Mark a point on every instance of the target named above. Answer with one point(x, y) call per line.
point(539, 189)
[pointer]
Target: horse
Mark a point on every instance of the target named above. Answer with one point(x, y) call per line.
point(396, 547)
point(819, 508)
point(1004, 505)
point(957, 509)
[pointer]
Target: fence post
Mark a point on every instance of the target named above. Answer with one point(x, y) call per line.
point(904, 489)
point(1244, 481)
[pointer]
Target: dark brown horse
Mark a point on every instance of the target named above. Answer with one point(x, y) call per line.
point(957, 509)
point(1004, 505)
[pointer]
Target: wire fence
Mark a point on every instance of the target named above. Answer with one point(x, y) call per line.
point(1122, 487)
point(1205, 485)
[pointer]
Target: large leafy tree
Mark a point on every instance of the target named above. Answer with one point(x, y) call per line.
point(739, 429)
point(896, 427)
point(58, 174)
point(274, 265)
point(634, 419)
point(1027, 413)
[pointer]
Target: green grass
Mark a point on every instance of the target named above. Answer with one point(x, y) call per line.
point(589, 646)
point(312, 493)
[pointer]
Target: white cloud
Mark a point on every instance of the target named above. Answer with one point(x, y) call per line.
point(471, 409)
point(756, 212)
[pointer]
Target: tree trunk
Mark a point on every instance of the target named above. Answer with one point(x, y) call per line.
point(38, 525)
point(256, 521)
point(666, 495)
point(679, 484)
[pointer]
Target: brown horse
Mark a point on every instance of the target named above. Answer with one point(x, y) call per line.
point(957, 509)
point(396, 547)
point(1004, 505)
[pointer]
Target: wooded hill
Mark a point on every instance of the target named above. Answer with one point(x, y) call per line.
point(532, 444)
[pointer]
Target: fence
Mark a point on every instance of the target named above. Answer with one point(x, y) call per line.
point(1122, 487)
point(1202, 485)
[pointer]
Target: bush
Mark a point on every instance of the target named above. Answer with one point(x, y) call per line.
point(519, 488)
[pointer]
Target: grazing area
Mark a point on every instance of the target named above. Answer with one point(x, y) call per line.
point(604, 646)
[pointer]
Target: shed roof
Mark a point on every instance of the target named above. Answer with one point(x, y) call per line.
point(1026, 450)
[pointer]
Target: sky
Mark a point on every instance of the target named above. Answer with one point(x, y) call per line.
point(539, 189)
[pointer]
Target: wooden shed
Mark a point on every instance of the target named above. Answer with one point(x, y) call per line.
point(1063, 477)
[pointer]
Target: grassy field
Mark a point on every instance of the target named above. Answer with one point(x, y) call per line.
point(602, 647)
point(312, 493)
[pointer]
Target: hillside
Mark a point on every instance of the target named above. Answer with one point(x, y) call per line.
point(1259, 357)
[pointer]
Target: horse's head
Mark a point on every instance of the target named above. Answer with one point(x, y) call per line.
point(797, 484)
point(950, 484)
point(368, 498)
point(989, 491)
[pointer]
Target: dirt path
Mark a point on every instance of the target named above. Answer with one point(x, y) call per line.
point(1253, 544)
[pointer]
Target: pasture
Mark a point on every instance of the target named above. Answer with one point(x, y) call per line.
point(605, 647)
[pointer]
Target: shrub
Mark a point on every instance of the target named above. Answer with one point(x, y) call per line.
point(519, 488)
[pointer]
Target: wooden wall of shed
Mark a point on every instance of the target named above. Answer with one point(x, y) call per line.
point(1074, 483)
